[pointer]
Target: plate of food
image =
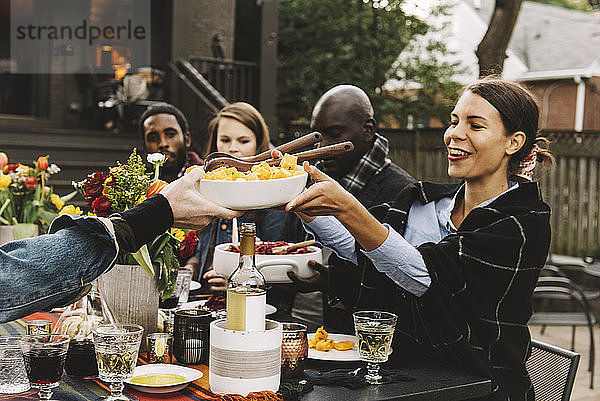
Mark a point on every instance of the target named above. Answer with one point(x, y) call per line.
point(160, 378)
point(264, 186)
point(332, 347)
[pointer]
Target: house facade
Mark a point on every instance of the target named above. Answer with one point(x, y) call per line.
point(554, 51)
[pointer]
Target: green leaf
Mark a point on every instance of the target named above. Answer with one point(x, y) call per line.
point(143, 258)
point(158, 245)
point(68, 197)
point(47, 215)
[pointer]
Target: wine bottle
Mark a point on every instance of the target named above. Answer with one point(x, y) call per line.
point(246, 293)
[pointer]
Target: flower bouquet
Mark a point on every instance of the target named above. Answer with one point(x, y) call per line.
point(24, 196)
point(122, 188)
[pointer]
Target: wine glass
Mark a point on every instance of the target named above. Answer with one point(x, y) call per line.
point(44, 356)
point(374, 330)
point(117, 349)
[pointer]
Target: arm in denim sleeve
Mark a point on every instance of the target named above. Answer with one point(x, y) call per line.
point(401, 262)
point(329, 232)
point(54, 269)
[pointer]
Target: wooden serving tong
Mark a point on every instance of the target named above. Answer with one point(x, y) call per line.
point(282, 250)
point(313, 154)
point(288, 147)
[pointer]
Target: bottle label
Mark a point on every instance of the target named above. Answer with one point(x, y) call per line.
point(246, 311)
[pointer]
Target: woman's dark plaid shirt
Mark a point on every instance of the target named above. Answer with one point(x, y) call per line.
point(476, 309)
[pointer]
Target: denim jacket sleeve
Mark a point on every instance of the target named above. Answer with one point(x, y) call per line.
point(54, 269)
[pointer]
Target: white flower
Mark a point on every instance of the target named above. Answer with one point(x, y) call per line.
point(156, 158)
point(53, 169)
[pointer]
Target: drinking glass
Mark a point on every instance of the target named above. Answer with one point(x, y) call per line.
point(44, 356)
point(184, 281)
point(374, 330)
point(116, 353)
point(13, 378)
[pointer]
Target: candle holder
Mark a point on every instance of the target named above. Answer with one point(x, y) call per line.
point(294, 349)
point(191, 336)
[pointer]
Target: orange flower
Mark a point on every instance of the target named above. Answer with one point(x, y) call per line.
point(3, 160)
point(42, 163)
point(155, 188)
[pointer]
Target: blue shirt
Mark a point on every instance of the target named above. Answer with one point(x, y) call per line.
point(397, 256)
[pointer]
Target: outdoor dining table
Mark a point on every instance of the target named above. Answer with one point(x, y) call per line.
point(432, 381)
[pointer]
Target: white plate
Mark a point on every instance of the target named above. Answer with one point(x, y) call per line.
point(269, 309)
point(155, 368)
point(194, 285)
point(334, 354)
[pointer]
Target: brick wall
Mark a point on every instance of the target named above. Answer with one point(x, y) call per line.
point(195, 22)
point(558, 101)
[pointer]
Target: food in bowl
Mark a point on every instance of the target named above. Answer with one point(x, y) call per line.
point(273, 267)
point(262, 171)
point(266, 248)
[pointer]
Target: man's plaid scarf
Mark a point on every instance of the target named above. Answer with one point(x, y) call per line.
point(369, 165)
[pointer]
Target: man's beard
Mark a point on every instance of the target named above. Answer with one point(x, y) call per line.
point(172, 169)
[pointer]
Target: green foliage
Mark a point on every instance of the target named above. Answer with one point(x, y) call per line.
point(581, 5)
point(127, 183)
point(327, 43)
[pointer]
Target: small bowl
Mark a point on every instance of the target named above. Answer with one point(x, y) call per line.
point(248, 195)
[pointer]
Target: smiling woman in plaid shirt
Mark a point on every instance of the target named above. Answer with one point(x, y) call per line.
point(458, 263)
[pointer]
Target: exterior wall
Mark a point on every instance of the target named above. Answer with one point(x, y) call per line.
point(558, 101)
point(591, 119)
point(196, 22)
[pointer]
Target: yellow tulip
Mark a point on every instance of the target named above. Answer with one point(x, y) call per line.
point(70, 209)
point(57, 201)
point(4, 180)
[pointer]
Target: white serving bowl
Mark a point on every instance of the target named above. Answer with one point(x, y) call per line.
point(247, 195)
point(273, 267)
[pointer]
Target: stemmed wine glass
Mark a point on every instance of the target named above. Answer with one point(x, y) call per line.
point(44, 356)
point(374, 330)
point(117, 349)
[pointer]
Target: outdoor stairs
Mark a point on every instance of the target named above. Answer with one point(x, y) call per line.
point(77, 152)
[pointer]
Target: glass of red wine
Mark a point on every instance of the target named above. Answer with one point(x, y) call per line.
point(44, 356)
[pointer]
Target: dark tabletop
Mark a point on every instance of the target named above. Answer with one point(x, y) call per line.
point(432, 382)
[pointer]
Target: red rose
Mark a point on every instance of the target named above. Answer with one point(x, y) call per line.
point(11, 167)
point(188, 246)
point(42, 163)
point(31, 182)
point(102, 206)
point(93, 186)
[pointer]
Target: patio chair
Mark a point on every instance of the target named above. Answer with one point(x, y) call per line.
point(552, 371)
point(562, 288)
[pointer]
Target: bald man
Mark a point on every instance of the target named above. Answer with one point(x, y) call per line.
point(345, 113)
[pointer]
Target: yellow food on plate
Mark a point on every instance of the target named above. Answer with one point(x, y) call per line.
point(324, 345)
point(321, 342)
point(343, 345)
point(321, 334)
point(286, 168)
point(158, 379)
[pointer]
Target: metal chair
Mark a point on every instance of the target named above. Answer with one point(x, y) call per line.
point(562, 288)
point(552, 371)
